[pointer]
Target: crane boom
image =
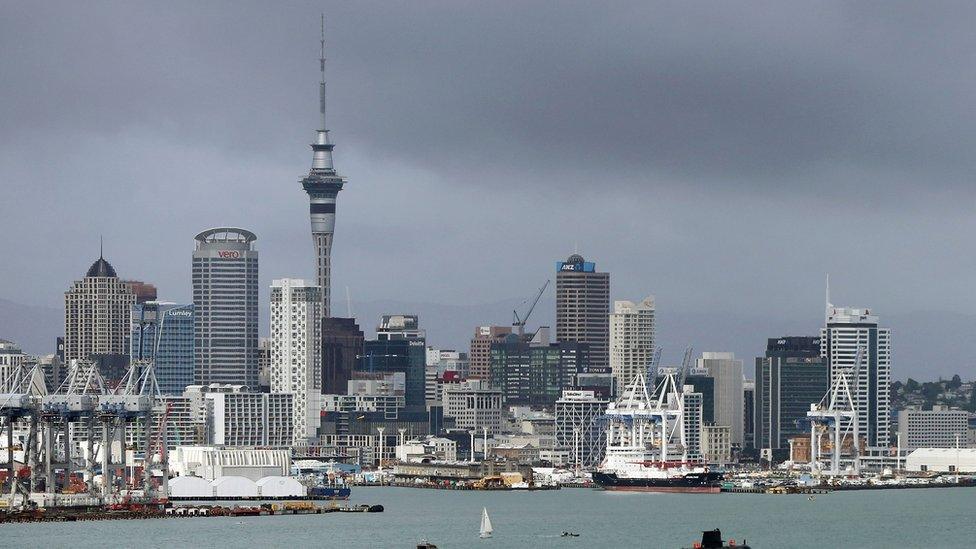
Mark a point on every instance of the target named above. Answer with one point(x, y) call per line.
point(519, 322)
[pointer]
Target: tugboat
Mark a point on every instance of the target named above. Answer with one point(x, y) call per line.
point(638, 433)
point(712, 539)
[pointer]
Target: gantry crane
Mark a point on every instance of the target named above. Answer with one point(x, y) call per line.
point(837, 410)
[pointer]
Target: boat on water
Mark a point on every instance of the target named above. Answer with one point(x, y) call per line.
point(712, 539)
point(642, 434)
point(485, 524)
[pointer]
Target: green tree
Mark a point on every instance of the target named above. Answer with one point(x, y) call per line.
point(911, 386)
point(956, 382)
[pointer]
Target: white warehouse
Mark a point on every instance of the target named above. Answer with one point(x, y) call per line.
point(942, 460)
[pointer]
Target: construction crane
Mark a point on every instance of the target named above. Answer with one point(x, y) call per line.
point(519, 322)
point(652, 367)
point(686, 365)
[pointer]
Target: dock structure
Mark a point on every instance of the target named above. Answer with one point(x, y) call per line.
point(58, 422)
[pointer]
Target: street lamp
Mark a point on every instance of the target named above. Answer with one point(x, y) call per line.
point(381, 429)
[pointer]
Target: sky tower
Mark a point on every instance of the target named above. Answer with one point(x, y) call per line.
point(322, 185)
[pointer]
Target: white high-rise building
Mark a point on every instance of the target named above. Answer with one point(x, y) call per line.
point(631, 341)
point(729, 404)
point(296, 357)
point(578, 428)
point(846, 330)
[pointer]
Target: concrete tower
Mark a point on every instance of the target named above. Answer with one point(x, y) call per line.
point(322, 185)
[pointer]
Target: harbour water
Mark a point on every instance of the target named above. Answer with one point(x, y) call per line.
point(941, 517)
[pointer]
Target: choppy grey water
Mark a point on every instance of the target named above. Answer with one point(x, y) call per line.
point(891, 518)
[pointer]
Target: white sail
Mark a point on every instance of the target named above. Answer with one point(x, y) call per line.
point(485, 523)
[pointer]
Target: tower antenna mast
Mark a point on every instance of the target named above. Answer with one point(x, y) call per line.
point(322, 72)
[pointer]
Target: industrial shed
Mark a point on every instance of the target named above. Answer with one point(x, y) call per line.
point(280, 487)
point(234, 487)
point(190, 487)
point(942, 460)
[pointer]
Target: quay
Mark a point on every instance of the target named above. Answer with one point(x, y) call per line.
point(140, 512)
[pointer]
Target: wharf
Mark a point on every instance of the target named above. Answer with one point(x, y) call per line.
point(777, 490)
point(154, 512)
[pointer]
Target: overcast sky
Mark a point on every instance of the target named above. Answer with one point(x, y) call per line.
point(722, 156)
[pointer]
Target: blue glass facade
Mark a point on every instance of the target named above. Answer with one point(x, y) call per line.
point(164, 332)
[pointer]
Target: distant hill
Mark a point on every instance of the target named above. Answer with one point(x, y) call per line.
point(32, 327)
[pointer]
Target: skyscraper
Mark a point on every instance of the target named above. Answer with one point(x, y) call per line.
point(323, 185)
point(97, 311)
point(163, 332)
point(342, 344)
point(789, 378)
point(225, 300)
point(400, 346)
point(631, 341)
point(846, 330)
point(296, 354)
point(480, 350)
point(729, 407)
point(583, 308)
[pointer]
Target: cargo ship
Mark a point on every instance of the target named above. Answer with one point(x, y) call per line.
point(642, 433)
point(649, 476)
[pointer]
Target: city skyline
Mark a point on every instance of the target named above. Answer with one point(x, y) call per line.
point(247, 172)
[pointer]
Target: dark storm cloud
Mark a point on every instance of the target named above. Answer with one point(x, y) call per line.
point(681, 145)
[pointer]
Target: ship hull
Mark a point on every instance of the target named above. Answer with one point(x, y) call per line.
point(692, 483)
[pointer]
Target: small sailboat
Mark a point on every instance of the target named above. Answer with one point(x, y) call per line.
point(485, 524)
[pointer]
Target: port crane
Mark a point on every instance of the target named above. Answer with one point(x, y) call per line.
point(837, 411)
point(518, 322)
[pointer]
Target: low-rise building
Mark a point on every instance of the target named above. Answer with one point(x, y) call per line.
point(936, 428)
point(212, 462)
point(942, 460)
point(716, 443)
point(474, 405)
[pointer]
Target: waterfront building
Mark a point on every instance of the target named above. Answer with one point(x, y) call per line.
point(716, 443)
point(427, 449)
point(583, 308)
point(480, 351)
point(846, 330)
point(789, 378)
point(631, 341)
point(728, 393)
point(474, 405)
point(692, 423)
point(578, 429)
point(238, 417)
point(342, 345)
point(296, 352)
point(225, 301)
point(97, 314)
point(164, 333)
point(264, 365)
point(935, 428)
point(323, 184)
point(942, 460)
point(214, 462)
